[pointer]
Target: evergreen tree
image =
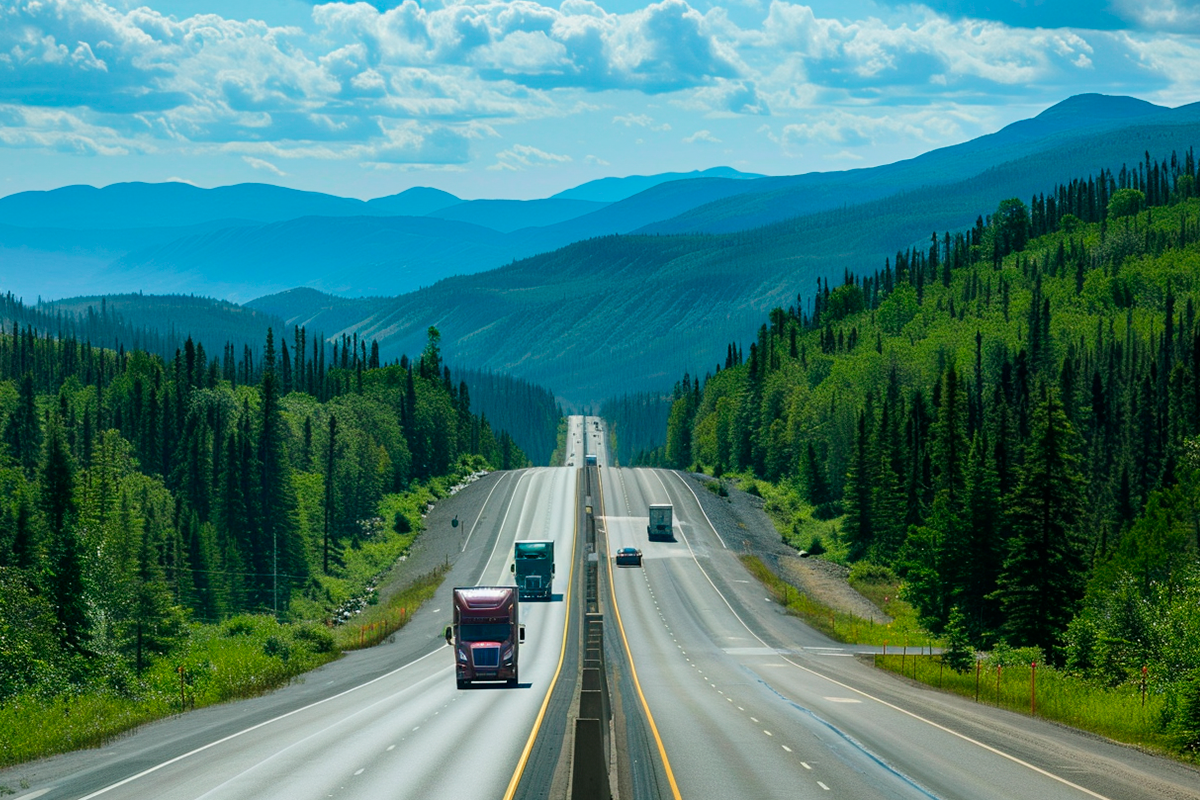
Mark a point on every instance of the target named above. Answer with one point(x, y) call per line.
point(1042, 579)
point(860, 483)
point(65, 557)
point(23, 434)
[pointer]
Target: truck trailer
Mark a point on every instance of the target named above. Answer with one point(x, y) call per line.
point(533, 566)
point(660, 522)
point(486, 634)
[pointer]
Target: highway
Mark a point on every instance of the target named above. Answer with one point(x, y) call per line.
point(388, 722)
point(740, 700)
point(749, 702)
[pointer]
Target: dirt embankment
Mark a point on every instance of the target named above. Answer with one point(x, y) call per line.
point(743, 523)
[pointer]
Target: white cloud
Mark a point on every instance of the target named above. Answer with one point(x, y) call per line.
point(641, 121)
point(595, 160)
point(522, 156)
point(267, 166)
point(701, 136)
point(422, 84)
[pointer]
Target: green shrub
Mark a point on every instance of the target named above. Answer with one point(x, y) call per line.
point(867, 572)
point(313, 638)
point(828, 511)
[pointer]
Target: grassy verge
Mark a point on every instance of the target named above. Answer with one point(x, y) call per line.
point(240, 657)
point(903, 631)
point(380, 621)
point(1118, 713)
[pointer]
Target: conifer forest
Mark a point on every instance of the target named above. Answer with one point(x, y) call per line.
point(144, 497)
point(1006, 417)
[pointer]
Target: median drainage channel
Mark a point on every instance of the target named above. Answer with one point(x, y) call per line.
point(593, 760)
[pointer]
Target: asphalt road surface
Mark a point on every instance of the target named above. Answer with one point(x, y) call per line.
point(751, 703)
point(740, 700)
point(384, 723)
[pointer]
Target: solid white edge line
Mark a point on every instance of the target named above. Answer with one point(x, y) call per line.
point(479, 516)
point(231, 736)
point(700, 505)
point(500, 531)
point(882, 702)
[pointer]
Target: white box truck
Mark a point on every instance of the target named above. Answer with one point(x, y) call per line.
point(660, 522)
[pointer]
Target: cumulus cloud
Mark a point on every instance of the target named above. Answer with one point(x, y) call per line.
point(664, 47)
point(423, 84)
point(1174, 16)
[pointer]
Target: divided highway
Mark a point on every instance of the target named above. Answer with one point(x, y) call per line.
point(742, 700)
point(388, 722)
point(751, 703)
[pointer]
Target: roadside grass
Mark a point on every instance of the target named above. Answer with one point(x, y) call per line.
point(902, 632)
point(240, 657)
point(1117, 713)
point(380, 621)
point(795, 519)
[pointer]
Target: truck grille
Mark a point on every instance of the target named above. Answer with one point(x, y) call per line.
point(486, 657)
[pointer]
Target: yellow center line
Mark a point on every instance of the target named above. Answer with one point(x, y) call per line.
point(537, 724)
point(633, 670)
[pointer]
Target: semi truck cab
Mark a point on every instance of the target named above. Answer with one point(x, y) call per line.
point(486, 634)
point(533, 567)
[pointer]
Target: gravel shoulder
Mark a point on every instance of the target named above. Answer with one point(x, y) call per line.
point(743, 523)
point(441, 542)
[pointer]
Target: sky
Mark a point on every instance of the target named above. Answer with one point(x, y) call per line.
point(518, 99)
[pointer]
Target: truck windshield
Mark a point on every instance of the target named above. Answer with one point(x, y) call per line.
point(484, 631)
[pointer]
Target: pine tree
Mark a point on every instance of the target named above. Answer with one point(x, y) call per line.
point(65, 561)
point(23, 434)
point(1041, 582)
point(860, 483)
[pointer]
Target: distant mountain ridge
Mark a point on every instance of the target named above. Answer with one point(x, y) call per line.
point(612, 190)
point(649, 308)
point(714, 253)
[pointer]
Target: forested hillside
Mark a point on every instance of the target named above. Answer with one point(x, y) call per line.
point(1007, 417)
point(637, 424)
point(157, 324)
point(528, 412)
point(139, 494)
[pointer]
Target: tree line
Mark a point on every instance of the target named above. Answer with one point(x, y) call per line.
point(137, 492)
point(1006, 416)
point(527, 411)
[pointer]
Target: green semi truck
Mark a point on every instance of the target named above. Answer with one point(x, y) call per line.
point(533, 566)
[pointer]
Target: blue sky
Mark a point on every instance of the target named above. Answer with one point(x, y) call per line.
point(512, 98)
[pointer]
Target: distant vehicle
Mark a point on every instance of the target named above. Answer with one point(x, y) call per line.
point(589, 460)
point(486, 634)
point(629, 557)
point(533, 566)
point(660, 522)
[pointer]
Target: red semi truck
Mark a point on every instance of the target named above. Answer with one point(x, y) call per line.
point(486, 634)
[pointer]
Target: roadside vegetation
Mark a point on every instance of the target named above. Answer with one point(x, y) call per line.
point(180, 533)
point(1007, 678)
point(903, 631)
point(1005, 420)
